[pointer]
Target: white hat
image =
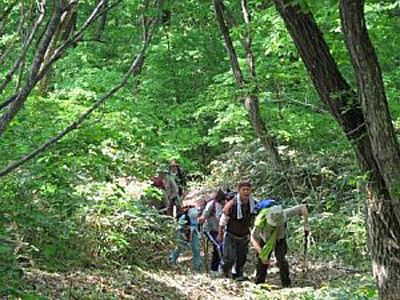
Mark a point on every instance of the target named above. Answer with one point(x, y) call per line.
point(276, 216)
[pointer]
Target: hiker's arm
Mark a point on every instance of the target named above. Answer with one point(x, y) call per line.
point(222, 225)
point(254, 242)
point(299, 210)
point(206, 213)
point(225, 216)
point(304, 214)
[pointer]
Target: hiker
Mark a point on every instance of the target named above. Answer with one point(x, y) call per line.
point(176, 172)
point(210, 216)
point(188, 236)
point(268, 235)
point(171, 193)
point(157, 180)
point(234, 229)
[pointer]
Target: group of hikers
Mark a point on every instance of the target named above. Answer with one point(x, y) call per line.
point(230, 221)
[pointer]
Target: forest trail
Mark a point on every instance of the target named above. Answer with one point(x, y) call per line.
point(179, 281)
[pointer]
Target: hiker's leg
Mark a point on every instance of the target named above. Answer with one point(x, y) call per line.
point(181, 243)
point(195, 244)
point(283, 265)
point(170, 207)
point(241, 254)
point(261, 269)
point(215, 255)
point(178, 204)
point(229, 254)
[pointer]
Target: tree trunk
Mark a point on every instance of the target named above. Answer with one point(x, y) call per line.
point(331, 86)
point(383, 230)
point(251, 99)
point(362, 129)
point(383, 213)
point(371, 91)
point(64, 26)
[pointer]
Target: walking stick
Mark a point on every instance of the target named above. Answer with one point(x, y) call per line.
point(205, 252)
point(305, 262)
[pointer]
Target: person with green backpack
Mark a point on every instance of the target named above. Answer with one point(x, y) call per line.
point(268, 235)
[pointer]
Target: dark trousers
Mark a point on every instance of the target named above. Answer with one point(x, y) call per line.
point(283, 265)
point(216, 259)
point(235, 252)
point(170, 207)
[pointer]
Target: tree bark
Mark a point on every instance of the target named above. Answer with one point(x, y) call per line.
point(63, 27)
point(383, 231)
point(251, 98)
point(371, 92)
point(383, 222)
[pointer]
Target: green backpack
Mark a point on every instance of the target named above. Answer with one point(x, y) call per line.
point(261, 222)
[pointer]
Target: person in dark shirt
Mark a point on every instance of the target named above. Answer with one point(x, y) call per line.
point(234, 230)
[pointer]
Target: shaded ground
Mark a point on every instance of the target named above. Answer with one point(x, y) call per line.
point(177, 282)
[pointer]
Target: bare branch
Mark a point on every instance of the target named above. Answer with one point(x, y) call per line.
point(8, 101)
point(250, 97)
point(219, 13)
point(247, 42)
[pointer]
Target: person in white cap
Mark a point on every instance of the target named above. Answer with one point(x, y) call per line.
point(268, 235)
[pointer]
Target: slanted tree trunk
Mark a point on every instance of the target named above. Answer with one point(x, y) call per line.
point(251, 99)
point(102, 21)
point(63, 27)
point(383, 213)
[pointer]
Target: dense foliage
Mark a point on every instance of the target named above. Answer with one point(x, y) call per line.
point(72, 207)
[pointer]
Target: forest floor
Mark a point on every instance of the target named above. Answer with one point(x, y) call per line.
point(178, 282)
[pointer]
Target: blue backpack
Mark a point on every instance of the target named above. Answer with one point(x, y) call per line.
point(264, 203)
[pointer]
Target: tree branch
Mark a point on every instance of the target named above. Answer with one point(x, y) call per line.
point(134, 70)
point(38, 69)
point(22, 95)
point(24, 49)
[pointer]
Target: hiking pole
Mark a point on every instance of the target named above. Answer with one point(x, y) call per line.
point(305, 262)
point(306, 234)
point(206, 254)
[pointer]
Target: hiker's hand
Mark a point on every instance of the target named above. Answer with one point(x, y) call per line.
point(257, 248)
point(266, 262)
point(306, 228)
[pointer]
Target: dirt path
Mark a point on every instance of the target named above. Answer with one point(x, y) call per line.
point(177, 282)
